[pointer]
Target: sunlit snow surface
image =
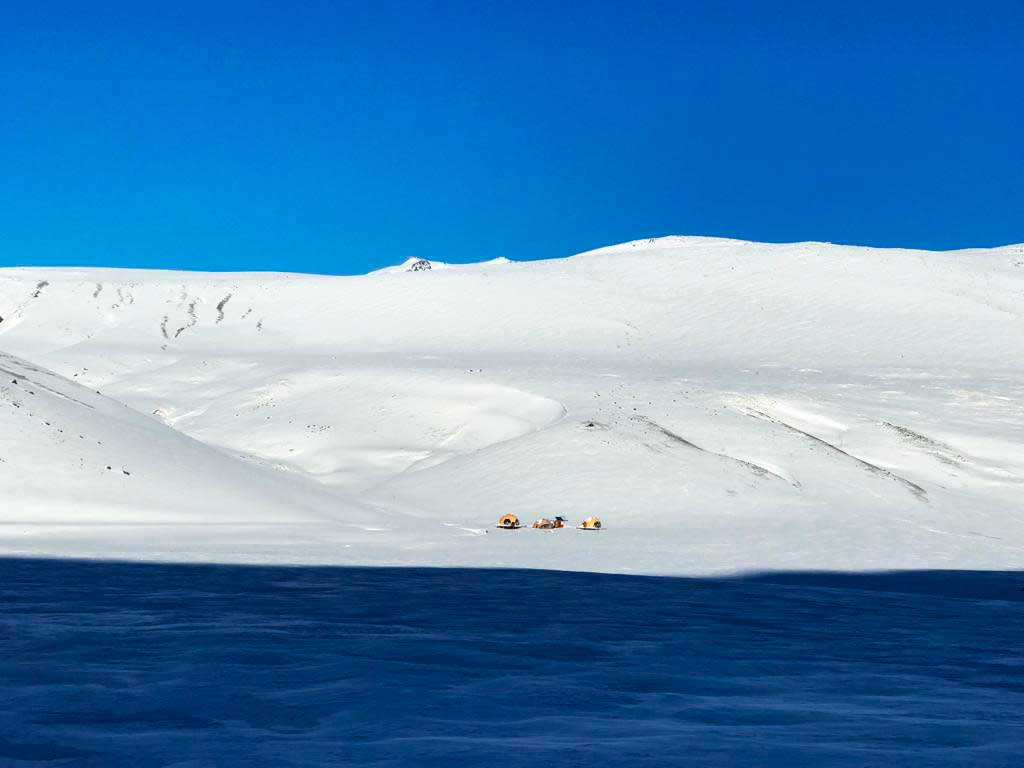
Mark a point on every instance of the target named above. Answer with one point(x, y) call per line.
point(723, 406)
point(142, 665)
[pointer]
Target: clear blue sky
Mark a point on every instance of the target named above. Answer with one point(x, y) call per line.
point(338, 137)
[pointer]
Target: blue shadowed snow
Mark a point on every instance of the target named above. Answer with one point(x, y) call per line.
point(111, 664)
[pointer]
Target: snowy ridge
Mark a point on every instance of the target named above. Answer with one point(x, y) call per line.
point(723, 405)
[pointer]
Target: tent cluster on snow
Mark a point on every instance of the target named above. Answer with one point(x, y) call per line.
point(511, 522)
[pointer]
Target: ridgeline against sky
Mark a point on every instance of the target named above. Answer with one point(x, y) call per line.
point(337, 138)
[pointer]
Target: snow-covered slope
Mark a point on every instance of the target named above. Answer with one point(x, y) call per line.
point(722, 405)
point(76, 464)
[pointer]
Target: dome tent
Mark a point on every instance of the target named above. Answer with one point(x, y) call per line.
point(591, 524)
point(509, 522)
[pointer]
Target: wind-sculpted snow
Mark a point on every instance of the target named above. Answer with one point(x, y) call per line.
point(722, 405)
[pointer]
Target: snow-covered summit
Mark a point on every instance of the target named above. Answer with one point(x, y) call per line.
point(664, 243)
point(721, 404)
point(416, 264)
point(412, 264)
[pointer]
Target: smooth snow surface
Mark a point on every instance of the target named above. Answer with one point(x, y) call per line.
point(721, 405)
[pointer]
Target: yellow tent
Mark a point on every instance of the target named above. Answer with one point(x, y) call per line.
point(509, 522)
point(591, 524)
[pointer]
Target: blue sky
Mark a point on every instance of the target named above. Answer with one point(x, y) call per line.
point(339, 137)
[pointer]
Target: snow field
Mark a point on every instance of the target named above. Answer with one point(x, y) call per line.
point(722, 405)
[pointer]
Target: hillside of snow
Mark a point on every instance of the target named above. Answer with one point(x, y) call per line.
point(721, 405)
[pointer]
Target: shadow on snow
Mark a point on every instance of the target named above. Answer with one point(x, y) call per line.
point(107, 664)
